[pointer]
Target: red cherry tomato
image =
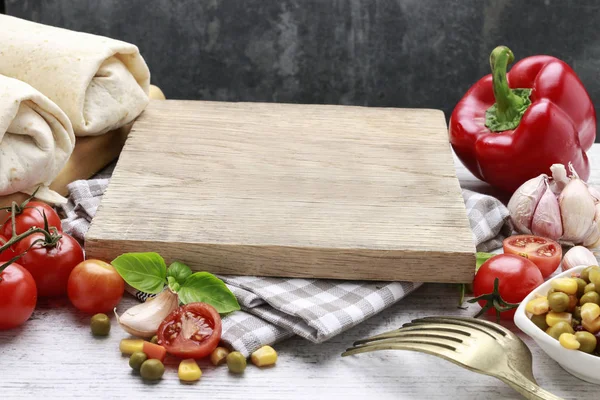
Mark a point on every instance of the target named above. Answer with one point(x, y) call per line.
point(50, 266)
point(544, 253)
point(191, 331)
point(18, 296)
point(517, 278)
point(31, 215)
point(8, 253)
point(95, 287)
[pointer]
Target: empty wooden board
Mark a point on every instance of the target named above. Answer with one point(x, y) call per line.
point(289, 190)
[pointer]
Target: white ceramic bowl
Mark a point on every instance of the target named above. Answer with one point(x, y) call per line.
point(582, 365)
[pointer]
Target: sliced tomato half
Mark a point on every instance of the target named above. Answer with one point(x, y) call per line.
point(544, 253)
point(191, 331)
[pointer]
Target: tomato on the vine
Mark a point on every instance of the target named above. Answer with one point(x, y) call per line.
point(517, 277)
point(31, 215)
point(18, 296)
point(95, 286)
point(8, 253)
point(191, 331)
point(544, 253)
point(50, 264)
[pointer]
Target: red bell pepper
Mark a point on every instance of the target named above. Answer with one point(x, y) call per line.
point(511, 127)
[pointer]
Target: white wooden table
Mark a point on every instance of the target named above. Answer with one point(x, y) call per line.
point(54, 356)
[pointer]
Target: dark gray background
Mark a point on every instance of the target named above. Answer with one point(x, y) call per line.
point(398, 53)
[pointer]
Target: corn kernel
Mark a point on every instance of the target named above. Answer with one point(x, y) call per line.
point(219, 356)
point(592, 326)
point(189, 371)
point(130, 346)
point(565, 285)
point(590, 311)
point(568, 341)
point(538, 306)
point(264, 356)
point(553, 318)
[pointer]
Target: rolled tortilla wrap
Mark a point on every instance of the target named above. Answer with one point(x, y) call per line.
point(36, 140)
point(100, 83)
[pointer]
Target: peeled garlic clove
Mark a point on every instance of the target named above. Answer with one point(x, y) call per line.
point(559, 178)
point(576, 256)
point(546, 219)
point(143, 320)
point(523, 202)
point(577, 210)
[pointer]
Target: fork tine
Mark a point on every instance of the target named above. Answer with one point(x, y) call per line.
point(438, 336)
point(473, 323)
point(488, 324)
point(420, 329)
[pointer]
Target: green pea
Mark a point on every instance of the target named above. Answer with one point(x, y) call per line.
point(236, 362)
point(550, 291)
point(590, 287)
point(560, 328)
point(577, 313)
point(585, 274)
point(540, 321)
point(590, 297)
point(558, 301)
point(100, 325)
point(581, 284)
point(137, 359)
point(154, 339)
point(587, 341)
point(594, 275)
point(152, 370)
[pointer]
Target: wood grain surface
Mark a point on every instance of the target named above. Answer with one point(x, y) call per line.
point(91, 154)
point(54, 356)
point(289, 190)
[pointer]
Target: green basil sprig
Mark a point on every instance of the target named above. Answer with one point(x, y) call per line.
point(148, 273)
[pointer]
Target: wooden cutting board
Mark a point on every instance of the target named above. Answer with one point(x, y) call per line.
point(286, 190)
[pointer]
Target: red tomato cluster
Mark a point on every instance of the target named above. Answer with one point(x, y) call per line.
point(51, 264)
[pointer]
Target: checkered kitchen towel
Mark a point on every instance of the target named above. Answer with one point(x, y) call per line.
point(274, 309)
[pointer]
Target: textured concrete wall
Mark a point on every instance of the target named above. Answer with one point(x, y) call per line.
point(400, 53)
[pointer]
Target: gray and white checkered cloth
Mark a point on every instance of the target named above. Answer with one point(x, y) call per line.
point(274, 309)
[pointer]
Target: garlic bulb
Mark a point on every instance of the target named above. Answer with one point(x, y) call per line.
point(595, 193)
point(523, 202)
point(143, 320)
point(577, 210)
point(578, 255)
point(559, 178)
point(593, 236)
point(546, 219)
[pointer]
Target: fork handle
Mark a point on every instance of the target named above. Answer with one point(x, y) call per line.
point(527, 388)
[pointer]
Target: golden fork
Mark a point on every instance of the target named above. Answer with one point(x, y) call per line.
point(477, 345)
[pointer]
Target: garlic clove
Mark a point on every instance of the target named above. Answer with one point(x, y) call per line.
point(559, 178)
point(523, 202)
point(576, 256)
point(144, 319)
point(546, 219)
point(593, 235)
point(577, 211)
point(595, 193)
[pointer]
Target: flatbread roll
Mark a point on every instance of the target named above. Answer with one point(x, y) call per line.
point(36, 140)
point(100, 83)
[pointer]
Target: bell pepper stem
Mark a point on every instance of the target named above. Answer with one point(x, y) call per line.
point(510, 104)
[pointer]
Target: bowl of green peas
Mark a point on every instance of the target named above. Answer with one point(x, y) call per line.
point(562, 316)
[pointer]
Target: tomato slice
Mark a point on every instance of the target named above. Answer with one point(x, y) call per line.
point(544, 253)
point(191, 331)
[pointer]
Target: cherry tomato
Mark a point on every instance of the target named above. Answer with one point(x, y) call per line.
point(18, 296)
point(8, 253)
point(517, 278)
point(31, 215)
point(191, 331)
point(544, 253)
point(52, 265)
point(95, 287)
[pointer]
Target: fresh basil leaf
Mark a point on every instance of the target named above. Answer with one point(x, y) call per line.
point(146, 272)
point(207, 288)
point(179, 271)
point(173, 284)
point(481, 258)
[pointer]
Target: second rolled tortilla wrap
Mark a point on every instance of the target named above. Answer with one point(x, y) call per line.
point(100, 83)
point(36, 140)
